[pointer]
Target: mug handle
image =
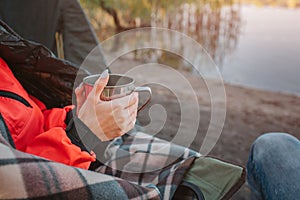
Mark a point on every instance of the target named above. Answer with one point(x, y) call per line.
point(144, 89)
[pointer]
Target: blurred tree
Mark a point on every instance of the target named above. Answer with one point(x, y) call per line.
point(134, 13)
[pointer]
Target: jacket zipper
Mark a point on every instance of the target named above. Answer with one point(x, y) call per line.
point(14, 96)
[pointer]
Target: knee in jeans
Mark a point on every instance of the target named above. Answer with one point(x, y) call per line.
point(270, 142)
point(273, 139)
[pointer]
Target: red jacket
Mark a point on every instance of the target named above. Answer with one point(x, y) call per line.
point(35, 129)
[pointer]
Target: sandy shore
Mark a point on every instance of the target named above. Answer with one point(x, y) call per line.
point(249, 113)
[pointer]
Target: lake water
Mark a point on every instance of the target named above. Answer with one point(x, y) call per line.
point(252, 46)
point(267, 55)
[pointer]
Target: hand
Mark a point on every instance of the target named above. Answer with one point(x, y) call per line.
point(106, 119)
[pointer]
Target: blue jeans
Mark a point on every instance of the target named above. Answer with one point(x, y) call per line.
point(273, 168)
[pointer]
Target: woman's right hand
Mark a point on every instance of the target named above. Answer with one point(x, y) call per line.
point(106, 119)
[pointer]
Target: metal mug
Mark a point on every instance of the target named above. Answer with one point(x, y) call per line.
point(118, 86)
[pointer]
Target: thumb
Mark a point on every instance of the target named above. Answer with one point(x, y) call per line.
point(80, 97)
point(99, 85)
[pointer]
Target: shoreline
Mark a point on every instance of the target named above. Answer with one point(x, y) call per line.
point(289, 93)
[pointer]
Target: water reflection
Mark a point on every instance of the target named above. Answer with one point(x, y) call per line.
point(265, 32)
point(217, 28)
point(214, 26)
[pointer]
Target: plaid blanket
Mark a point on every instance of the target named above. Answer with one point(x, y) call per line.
point(132, 170)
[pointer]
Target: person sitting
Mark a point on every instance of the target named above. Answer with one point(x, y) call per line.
point(36, 130)
point(34, 91)
point(273, 168)
point(40, 131)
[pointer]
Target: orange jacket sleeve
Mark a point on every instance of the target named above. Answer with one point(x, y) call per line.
point(55, 145)
point(59, 146)
point(33, 128)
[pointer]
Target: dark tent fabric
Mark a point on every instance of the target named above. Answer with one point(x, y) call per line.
point(30, 51)
point(41, 20)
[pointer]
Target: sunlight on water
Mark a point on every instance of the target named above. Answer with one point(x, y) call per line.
point(267, 55)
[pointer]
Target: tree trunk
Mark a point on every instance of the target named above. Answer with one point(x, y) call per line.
point(114, 14)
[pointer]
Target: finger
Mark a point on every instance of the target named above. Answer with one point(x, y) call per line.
point(128, 117)
point(99, 86)
point(133, 121)
point(133, 114)
point(116, 134)
point(134, 98)
point(113, 131)
point(125, 101)
point(80, 96)
point(133, 108)
point(92, 153)
point(132, 111)
point(130, 124)
point(79, 91)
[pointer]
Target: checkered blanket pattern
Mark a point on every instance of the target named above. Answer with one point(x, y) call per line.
point(25, 176)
